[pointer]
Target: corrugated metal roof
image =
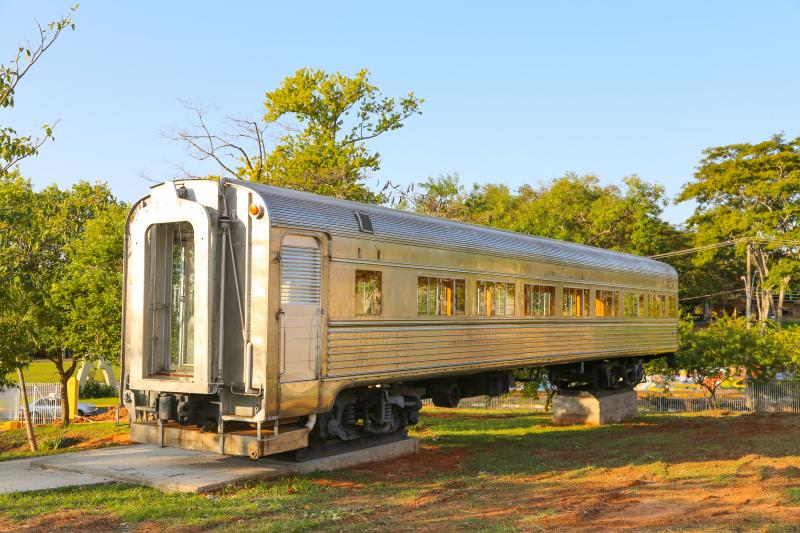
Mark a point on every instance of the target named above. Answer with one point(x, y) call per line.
point(286, 207)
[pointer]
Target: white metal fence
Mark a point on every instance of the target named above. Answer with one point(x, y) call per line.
point(44, 400)
point(776, 397)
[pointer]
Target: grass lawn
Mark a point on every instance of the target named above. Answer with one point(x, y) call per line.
point(55, 439)
point(102, 402)
point(44, 371)
point(496, 471)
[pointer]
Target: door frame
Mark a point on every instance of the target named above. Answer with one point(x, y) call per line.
point(321, 313)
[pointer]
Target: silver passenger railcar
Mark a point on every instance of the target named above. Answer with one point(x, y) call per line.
point(259, 319)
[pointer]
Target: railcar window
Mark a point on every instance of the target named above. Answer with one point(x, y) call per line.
point(540, 300)
point(368, 292)
point(672, 307)
point(182, 331)
point(633, 305)
point(576, 302)
point(171, 272)
point(605, 303)
point(495, 298)
point(440, 296)
point(656, 305)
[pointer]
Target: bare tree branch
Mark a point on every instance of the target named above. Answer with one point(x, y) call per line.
point(243, 143)
point(32, 54)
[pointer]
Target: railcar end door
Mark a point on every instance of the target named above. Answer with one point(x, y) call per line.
point(301, 308)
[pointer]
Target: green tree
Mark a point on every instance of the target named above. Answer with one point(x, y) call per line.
point(66, 215)
point(726, 347)
point(443, 196)
point(88, 295)
point(19, 249)
point(785, 352)
point(327, 119)
point(37, 230)
point(17, 336)
point(571, 208)
point(753, 191)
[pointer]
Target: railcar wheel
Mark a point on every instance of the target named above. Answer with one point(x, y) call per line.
point(359, 413)
point(446, 395)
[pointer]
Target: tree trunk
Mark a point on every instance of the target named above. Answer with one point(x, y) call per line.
point(781, 296)
point(765, 303)
point(64, 376)
point(712, 396)
point(758, 305)
point(64, 400)
point(548, 404)
point(26, 411)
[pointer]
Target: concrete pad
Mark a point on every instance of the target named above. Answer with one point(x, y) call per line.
point(180, 470)
point(20, 475)
point(595, 408)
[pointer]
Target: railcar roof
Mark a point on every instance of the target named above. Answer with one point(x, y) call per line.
point(287, 207)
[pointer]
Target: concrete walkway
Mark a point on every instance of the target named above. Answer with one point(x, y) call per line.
point(21, 476)
point(173, 469)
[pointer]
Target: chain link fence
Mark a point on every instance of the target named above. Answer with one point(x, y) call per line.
point(776, 397)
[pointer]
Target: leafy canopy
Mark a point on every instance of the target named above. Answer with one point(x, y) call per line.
point(750, 190)
point(331, 116)
point(747, 190)
point(37, 248)
point(572, 208)
point(327, 121)
point(88, 295)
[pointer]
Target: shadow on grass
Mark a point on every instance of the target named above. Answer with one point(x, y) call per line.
point(503, 443)
point(473, 459)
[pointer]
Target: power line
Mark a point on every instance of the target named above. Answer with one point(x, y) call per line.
point(730, 242)
point(709, 295)
point(695, 249)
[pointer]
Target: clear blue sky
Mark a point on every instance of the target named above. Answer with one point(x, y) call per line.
point(515, 92)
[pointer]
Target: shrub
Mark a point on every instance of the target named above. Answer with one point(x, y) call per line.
point(712, 354)
point(95, 389)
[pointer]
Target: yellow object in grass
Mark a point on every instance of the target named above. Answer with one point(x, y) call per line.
point(11, 424)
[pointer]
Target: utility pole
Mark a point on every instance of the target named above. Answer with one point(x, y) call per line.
point(748, 288)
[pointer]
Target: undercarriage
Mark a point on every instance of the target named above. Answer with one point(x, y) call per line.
point(360, 417)
point(610, 374)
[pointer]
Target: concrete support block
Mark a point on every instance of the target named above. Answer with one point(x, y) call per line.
point(595, 408)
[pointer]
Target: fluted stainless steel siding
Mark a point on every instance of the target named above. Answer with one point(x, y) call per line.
point(362, 350)
point(337, 217)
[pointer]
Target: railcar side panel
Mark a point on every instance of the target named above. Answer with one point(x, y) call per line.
point(376, 349)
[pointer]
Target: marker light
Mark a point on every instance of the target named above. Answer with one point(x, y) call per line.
point(256, 211)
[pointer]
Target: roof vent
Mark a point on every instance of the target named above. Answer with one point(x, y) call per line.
point(364, 223)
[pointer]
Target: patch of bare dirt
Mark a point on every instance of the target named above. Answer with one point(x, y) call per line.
point(67, 522)
point(110, 415)
point(609, 503)
point(338, 484)
point(112, 440)
point(740, 492)
point(428, 461)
